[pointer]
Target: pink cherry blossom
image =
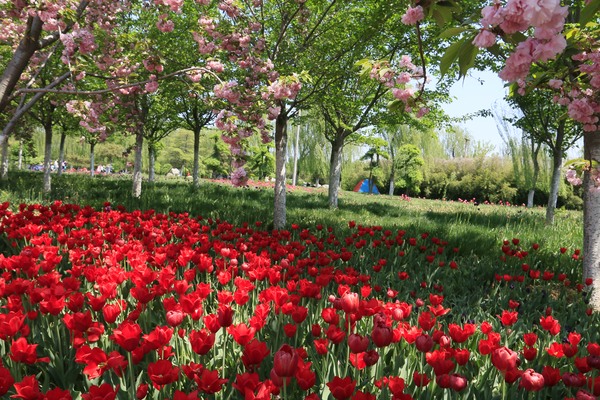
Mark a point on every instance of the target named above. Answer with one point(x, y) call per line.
point(539, 12)
point(491, 15)
point(413, 15)
point(518, 63)
point(547, 50)
point(555, 83)
point(484, 39)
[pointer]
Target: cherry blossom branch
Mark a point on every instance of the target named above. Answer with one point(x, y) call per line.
point(125, 86)
point(423, 63)
point(24, 108)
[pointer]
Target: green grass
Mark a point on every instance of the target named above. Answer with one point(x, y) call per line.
point(478, 230)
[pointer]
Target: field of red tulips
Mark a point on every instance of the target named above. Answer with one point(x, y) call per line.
point(105, 304)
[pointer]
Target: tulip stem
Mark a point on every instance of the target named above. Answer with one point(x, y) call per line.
point(284, 388)
point(349, 325)
point(132, 388)
point(224, 353)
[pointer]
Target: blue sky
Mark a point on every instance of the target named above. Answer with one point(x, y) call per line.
point(478, 91)
point(471, 95)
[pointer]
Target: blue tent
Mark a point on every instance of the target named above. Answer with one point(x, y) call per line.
point(363, 187)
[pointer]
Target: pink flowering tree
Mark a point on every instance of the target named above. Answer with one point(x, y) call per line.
point(31, 32)
point(561, 41)
point(360, 99)
point(312, 47)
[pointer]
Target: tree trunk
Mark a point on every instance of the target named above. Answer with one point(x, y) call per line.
point(591, 218)
point(151, 162)
point(4, 160)
point(392, 179)
point(279, 211)
point(20, 60)
point(371, 179)
point(335, 170)
point(557, 161)
point(196, 171)
point(296, 155)
point(530, 196)
point(20, 160)
point(137, 165)
point(92, 159)
point(534, 178)
point(61, 152)
point(47, 158)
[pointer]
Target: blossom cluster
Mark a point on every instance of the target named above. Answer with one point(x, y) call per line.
point(144, 305)
point(547, 18)
point(397, 77)
point(573, 177)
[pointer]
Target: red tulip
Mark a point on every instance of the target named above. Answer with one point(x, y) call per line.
point(420, 380)
point(350, 302)
point(305, 377)
point(28, 389)
point(504, 359)
point(162, 372)
point(382, 336)
point(532, 381)
point(102, 392)
point(358, 343)
point(424, 343)
point(341, 388)
point(254, 352)
point(6, 380)
point(285, 361)
point(225, 315)
point(127, 335)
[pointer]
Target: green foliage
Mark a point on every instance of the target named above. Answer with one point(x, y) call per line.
point(219, 161)
point(589, 12)
point(408, 163)
point(481, 179)
point(474, 229)
point(262, 161)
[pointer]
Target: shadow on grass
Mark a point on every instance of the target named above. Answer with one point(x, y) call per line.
point(475, 229)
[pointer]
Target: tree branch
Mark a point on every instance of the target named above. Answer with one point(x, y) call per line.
point(129, 85)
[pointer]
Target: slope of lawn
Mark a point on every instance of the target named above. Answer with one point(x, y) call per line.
point(187, 293)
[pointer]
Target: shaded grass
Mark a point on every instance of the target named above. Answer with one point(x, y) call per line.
point(478, 230)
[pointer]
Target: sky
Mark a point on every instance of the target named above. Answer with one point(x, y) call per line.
point(478, 91)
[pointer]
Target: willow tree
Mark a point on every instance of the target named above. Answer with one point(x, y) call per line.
point(546, 122)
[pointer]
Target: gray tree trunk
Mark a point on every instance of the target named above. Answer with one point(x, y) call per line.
point(536, 174)
point(530, 196)
point(20, 160)
point(47, 158)
point(196, 171)
point(557, 162)
point(92, 159)
point(137, 165)
point(279, 211)
point(392, 184)
point(31, 42)
point(20, 60)
point(4, 160)
point(296, 155)
point(151, 163)
point(335, 171)
point(591, 220)
point(61, 152)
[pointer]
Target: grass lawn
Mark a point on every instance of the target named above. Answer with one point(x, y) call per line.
point(485, 301)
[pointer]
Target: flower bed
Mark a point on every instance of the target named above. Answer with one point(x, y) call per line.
point(114, 304)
